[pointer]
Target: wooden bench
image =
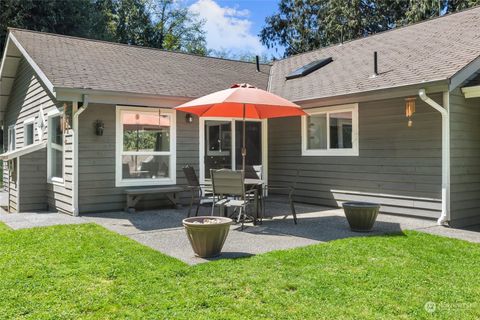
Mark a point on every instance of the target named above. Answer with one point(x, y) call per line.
point(134, 195)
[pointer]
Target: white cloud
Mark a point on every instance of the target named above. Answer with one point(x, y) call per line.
point(227, 28)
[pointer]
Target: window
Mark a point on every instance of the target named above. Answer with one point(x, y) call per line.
point(55, 148)
point(309, 68)
point(145, 146)
point(219, 138)
point(331, 131)
point(11, 138)
point(28, 132)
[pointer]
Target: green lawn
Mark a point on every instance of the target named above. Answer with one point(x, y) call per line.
point(85, 271)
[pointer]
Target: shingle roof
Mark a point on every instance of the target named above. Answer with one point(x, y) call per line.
point(428, 51)
point(81, 63)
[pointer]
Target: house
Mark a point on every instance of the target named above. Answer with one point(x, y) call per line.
point(393, 118)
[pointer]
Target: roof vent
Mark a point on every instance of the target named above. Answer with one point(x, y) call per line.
point(309, 68)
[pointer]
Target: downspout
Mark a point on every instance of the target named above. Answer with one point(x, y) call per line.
point(444, 111)
point(75, 137)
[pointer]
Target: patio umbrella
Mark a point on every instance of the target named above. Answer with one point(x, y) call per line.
point(242, 101)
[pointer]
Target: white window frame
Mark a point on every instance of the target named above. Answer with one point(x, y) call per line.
point(234, 122)
point(354, 151)
point(11, 142)
point(50, 145)
point(215, 152)
point(30, 121)
point(119, 181)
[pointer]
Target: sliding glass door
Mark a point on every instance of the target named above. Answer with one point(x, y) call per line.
point(253, 143)
point(222, 145)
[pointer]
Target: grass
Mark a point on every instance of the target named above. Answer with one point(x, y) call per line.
point(85, 271)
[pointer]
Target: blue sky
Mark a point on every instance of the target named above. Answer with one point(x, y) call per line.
point(233, 25)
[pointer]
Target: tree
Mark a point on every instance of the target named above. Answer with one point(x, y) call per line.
point(133, 25)
point(70, 17)
point(156, 23)
point(244, 56)
point(303, 25)
point(176, 28)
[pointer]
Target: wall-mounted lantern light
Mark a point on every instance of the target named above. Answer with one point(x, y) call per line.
point(189, 118)
point(99, 127)
point(410, 109)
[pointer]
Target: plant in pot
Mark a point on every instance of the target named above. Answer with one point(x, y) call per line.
point(207, 234)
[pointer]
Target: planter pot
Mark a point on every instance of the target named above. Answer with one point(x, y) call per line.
point(361, 216)
point(207, 239)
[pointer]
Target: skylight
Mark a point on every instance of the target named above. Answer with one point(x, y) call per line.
point(309, 68)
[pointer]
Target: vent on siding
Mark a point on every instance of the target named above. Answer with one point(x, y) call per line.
point(309, 68)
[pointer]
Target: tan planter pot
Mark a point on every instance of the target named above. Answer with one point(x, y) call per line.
point(207, 239)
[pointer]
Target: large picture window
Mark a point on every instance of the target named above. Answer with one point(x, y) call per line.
point(145, 146)
point(55, 148)
point(330, 131)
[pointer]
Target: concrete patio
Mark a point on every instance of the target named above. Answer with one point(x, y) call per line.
point(162, 229)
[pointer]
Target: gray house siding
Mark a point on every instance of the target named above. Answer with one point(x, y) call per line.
point(33, 184)
point(465, 159)
point(27, 96)
point(402, 163)
point(97, 191)
point(10, 182)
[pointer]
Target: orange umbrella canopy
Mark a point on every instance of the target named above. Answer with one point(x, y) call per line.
point(242, 101)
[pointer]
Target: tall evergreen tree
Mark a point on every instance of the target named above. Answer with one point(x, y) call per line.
point(136, 22)
point(303, 25)
point(70, 17)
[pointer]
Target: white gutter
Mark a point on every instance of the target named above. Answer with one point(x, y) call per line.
point(444, 111)
point(75, 138)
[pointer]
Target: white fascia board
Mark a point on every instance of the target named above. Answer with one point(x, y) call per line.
point(4, 57)
point(120, 98)
point(22, 151)
point(471, 92)
point(33, 64)
point(464, 74)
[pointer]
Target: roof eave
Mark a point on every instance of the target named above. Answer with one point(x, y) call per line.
point(48, 84)
point(471, 92)
point(440, 85)
point(469, 71)
point(120, 97)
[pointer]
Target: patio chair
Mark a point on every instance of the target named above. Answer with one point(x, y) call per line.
point(255, 172)
point(290, 190)
point(199, 191)
point(229, 192)
point(251, 173)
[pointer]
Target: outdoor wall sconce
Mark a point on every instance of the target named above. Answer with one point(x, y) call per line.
point(99, 127)
point(189, 118)
point(410, 109)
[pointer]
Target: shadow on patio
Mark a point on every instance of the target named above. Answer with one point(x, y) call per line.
point(162, 230)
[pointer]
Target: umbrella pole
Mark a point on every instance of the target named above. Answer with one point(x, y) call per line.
point(244, 149)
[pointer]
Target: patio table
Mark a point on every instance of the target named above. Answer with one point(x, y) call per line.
point(255, 183)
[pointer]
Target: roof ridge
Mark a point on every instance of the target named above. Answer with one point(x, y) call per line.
point(133, 46)
point(382, 32)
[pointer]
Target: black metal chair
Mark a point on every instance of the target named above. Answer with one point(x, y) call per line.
point(290, 190)
point(199, 191)
point(254, 172)
point(229, 192)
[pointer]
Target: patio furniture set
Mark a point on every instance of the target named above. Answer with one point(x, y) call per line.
point(234, 189)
